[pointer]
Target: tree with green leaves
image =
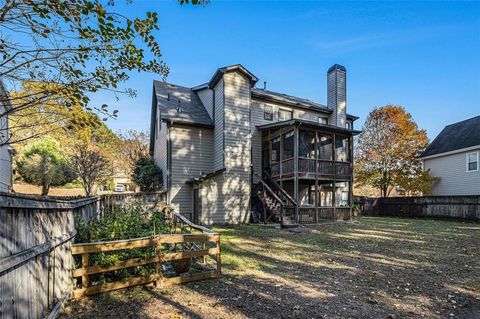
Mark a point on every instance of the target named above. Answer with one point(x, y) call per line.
point(388, 149)
point(78, 46)
point(44, 163)
point(147, 175)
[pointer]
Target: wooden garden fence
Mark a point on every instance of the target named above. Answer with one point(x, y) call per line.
point(201, 242)
point(160, 257)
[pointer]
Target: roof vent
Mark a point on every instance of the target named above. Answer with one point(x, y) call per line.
point(264, 85)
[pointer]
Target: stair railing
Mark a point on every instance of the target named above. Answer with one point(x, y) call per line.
point(268, 190)
point(277, 187)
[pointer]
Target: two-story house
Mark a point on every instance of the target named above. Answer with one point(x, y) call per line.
point(225, 142)
point(453, 157)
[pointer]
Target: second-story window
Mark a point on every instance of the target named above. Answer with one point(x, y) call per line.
point(322, 120)
point(472, 162)
point(268, 112)
point(348, 125)
point(284, 115)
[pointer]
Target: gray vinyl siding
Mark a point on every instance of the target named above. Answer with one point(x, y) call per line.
point(227, 197)
point(160, 150)
point(336, 98)
point(331, 97)
point(191, 156)
point(206, 96)
point(341, 101)
point(218, 152)
point(454, 178)
point(5, 158)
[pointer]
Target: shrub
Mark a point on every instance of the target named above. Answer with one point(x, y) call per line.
point(147, 175)
point(132, 221)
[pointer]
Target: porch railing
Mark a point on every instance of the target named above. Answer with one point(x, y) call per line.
point(310, 166)
point(310, 215)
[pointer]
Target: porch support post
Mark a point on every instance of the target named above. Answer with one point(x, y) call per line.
point(351, 177)
point(281, 157)
point(334, 201)
point(315, 152)
point(269, 152)
point(295, 168)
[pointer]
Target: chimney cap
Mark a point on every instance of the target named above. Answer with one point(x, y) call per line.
point(337, 67)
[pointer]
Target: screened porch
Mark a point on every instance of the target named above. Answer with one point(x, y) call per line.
point(313, 164)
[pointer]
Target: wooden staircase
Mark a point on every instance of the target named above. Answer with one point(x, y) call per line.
point(272, 207)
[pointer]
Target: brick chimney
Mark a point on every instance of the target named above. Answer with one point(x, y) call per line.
point(337, 94)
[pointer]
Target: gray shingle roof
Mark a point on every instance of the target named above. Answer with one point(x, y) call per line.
point(455, 136)
point(180, 104)
point(290, 100)
point(295, 101)
point(307, 123)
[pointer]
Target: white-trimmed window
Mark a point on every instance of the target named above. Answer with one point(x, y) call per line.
point(284, 115)
point(472, 162)
point(348, 125)
point(322, 120)
point(268, 112)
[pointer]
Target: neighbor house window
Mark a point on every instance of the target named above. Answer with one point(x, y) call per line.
point(268, 112)
point(322, 120)
point(472, 162)
point(284, 115)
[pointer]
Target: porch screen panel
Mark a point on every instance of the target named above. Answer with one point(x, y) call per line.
point(325, 147)
point(342, 194)
point(306, 144)
point(342, 149)
point(288, 145)
point(325, 195)
point(275, 156)
point(265, 154)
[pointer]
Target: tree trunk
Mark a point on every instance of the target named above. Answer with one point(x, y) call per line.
point(384, 190)
point(45, 189)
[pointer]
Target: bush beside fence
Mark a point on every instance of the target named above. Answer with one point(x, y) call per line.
point(456, 207)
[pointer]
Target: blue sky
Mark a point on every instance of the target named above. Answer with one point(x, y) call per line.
point(424, 56)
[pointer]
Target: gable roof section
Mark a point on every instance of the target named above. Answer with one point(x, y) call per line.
point(180, 104)
point(231, 68)
point(455, 137)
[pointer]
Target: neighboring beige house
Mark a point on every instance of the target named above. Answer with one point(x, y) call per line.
point(225, 146)
point(6, 152)
point(453, 157)
point(122, 182)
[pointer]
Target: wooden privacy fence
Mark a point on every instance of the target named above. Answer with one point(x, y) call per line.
point(36, 235)
point(457, 207)
point(204, 245)
point(35, 261)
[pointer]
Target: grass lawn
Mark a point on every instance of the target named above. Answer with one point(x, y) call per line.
point(371, 268)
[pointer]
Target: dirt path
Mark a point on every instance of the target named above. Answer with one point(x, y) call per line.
point(373, 268)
